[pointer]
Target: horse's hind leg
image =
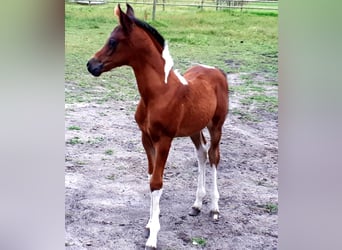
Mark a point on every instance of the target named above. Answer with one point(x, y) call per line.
point(201, 150)
point(214, 158)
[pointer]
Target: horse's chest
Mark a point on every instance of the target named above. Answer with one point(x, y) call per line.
point(158, 120)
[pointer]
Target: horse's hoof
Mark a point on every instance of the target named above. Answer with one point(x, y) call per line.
point(215, 215)
point(150, 248)
point(194, 211)
point(147, 233)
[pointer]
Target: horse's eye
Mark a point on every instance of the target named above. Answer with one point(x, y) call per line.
point(112, 43)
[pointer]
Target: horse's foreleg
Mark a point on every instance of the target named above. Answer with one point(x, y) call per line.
point(162, 148)
point(153, 224)
point(201, 151)
point(150, 151)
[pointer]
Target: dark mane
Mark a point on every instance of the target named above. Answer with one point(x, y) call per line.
point(152, 31)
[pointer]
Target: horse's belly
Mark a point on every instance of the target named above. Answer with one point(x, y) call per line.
point(196, 119)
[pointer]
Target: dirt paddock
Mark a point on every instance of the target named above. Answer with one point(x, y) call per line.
point(107, 190)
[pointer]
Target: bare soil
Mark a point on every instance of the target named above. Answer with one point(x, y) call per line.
point(107, 191)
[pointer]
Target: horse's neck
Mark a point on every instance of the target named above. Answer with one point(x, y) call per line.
point(150, 78)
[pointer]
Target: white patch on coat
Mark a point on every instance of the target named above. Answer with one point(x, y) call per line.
point(181, 78)
point(168, 61)
point(169, 64)
point(206, 66)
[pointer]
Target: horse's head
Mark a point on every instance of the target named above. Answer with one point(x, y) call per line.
point(116, 51)
point(126, 42)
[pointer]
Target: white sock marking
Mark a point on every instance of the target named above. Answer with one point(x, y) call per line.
point(215, 194)
point(168, 61)
point(153, 223)
point(200, 193)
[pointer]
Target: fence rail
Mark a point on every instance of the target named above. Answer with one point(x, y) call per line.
point(226, 4)
point(206, 5)
point(264, 5)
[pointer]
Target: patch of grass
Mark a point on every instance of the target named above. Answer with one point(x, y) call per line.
point(111, 177)
point(109, 152)
point(245, 116)
point(271, 208)
point(264, 13)
point(74, 140)
point(95, 140)
point(268, 103)
point(199, 241)
point(206, 36)
point(73, 127)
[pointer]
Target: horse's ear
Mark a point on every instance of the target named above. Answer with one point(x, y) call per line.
point(129, 11)
point(117, 11)
point(124, 19)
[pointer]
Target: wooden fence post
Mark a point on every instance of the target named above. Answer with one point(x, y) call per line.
point(154, 10)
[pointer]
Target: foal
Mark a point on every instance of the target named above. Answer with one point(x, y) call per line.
point(170, 106)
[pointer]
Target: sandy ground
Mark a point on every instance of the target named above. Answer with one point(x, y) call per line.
point(107, 190)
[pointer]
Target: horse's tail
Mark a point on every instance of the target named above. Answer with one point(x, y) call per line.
point(224, 91)
point(226, 77)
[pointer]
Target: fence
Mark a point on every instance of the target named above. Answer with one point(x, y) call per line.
point(271, 5)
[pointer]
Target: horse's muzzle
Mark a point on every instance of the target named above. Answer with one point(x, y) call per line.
point(95, 67)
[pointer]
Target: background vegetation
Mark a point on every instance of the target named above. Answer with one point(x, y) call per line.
point(244, 42)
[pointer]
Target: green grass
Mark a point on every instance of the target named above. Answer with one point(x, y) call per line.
point(111, 177)
point(74, 128)
point(109, 152)
point(271, 208)
point(244, 116)
point(95, 140)
point(269, 103)
point(199, 241)
point(235, 41)
point(75, 140)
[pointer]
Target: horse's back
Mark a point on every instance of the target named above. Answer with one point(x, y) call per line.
point(210, 75)
point(206, 99)
point(213, 77)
